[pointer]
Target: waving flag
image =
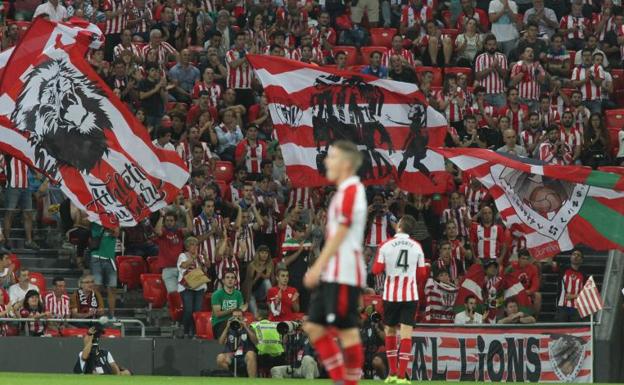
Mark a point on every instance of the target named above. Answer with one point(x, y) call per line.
point(65, 122)
point(389, 121)
point(589, 300)
point(555, 207)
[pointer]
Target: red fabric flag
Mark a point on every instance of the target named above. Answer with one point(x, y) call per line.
point(589, 300)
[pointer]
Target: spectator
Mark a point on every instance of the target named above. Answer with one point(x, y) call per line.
point(571, 136)
point(452, 101)
point(168, 27)
point(240, 73)
point(400, 71)
point(228, 134)
point(207, 228)
point(527, 273)
point(532, 40)
point(57, 301)
point(225, 302)
point(184, 75)
point(528, 75)
point(491, 72)
point(589, 77)
point(7, 270)
point(375, 68)
point(571, 282)
point(341, 60)
point(257, 281)
point(239, 355)
point(595, 152)
point(18, 291)
point(487, 238)
point(580, 113)
point(431, 43)
point(516, 111)
point(533, 135)
point(103, 262)
point(247, 222)
point(553, 150)
point(504, 17)
point(469, 11)
point(296, 257)
point(53, 10)
point(469, 315)
point(413, 18)
point(575, 26)
point(511, 146)
point(405, 55)
point(170, 246)
point(32, 307)
point(250, 152)
point(514, 316)
point(138, 240)
point(440, 294)
point(545, 18)
point(381, 223)
point(192, 296)
point(86, 302)
point(283, 300)
point(547, 114)
point(445, 261)
point(126, 44)
point(557, 58)
point(491, 291)
point(153, 95)
point(469, 43)
point(18, 196)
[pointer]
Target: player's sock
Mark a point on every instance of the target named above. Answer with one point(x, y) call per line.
point(405, 356)
point(391, 353)
point(331, 357)
point(354, 360)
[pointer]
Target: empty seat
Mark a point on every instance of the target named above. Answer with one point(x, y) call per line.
point(352, 55)
point(615, 118)
point(38, 280)
point(203, 325)
point(224, 171)
point(129, 270)
point(154, 290)
point(382, 36)
point(153, 265)
point(367, 51)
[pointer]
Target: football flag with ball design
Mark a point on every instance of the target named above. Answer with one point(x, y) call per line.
point(554, 207)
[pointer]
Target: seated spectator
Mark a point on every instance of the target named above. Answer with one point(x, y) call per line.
point(487, 238)
point(571, 135)
point(340, 58)
point(468, 44)
point(163, 139)
point(56, 301)
point(240, 343)
point(595, 152)
point(203, 105)
point(283, 300)
point(18, 291)
point(257, 281)
point(571, 282)
point(511, 147)
point(516, 112)
point(575, 26)
point(32, 307)
point(170, 239)
point(588, 77)
point(469, 315)
point(192, 296)
point(86, 302)
point(440, 294)
point(225, 302)
point(7, 269)
point(400, 71)
point(525, 271)
point(375, 68)
point(514, 316)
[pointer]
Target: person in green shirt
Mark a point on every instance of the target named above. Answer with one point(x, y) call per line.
point(224, 301)
point(103, 261)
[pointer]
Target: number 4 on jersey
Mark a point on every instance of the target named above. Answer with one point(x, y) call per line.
point(402, 260)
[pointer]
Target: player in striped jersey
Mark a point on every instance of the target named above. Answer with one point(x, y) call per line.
point(403, 261)
point(340, 269)
point(571, 281)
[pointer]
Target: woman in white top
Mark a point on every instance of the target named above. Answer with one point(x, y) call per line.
point(191, 298)
point(468, 44)
point(503, 16)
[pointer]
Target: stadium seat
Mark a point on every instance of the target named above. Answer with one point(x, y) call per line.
point(352, 55)
point(224, 171)
point(154, 291)
point(153, 266)
point(38, 280)
point(175, 306)
point(249, 317)
point(614, 141)
point(618, 79)
point(382, 36)
point(112, 333)
point(74, 332)
point(614, 119)
point(446, 16)
point(367, 51)
point(207, 302)
point(375, 300)
point(437, 74)
point(129, 270)
point(457, 70)
point(203, 325)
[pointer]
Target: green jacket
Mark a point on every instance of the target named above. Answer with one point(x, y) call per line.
point(269, 340)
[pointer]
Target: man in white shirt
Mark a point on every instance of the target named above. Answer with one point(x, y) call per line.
point(503, 16)
point(511, 147)
point(54, 10)
point(164, 138)
point(18, 291)
point(469, 315)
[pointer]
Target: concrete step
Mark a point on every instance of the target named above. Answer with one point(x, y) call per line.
point(38, 263)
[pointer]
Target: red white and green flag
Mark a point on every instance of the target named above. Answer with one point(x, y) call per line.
point(554, 207)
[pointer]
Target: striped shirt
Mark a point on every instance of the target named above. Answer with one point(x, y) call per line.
point(213, 89)
point(440, 301)
point(487, 240)
point(186, 152)
point(493, 82)
point(163, 51)
point(301, 196)
point(573, 138)
point(201, 226)
point(379, 230)
point(224, 265)
point(589, 90)
point(571, 283)
point(404, 53)
point(456, 215)
point(607, 27)
point(570, 22)
point(401, 257)
point(473, 197)
point(119, 48)
point(241, 76)
point(17, 173)
point(58, 307)
point(516, 117)
point(116, 24)
point(245, 236)
point(411, 17)
point(550, 117)
point(251, 154)
point(529, 87)
point(454, 109)
point(141, 15)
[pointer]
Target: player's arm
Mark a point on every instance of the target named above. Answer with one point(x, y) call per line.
point(331, 247)
point(380, 265)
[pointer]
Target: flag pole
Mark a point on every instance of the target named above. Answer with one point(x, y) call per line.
point(591, 346)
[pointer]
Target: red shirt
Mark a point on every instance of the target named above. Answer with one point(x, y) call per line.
point(196, 111)
point(528, 276)
point(282, 306)
point(170, 246)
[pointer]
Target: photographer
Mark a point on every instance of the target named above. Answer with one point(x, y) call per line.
point(373, 341)
point(381, 222)
point(300, 356)
point(92, 359)
point(240, 341)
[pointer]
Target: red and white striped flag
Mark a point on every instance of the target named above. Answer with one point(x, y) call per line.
point(390, 121)
point(589, 300)
point(60, 117)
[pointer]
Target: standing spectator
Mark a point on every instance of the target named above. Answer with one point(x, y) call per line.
point(413, 18)
point(595, 151)
point(126, 44)
point(610, 42)
point(504, 16)
point(184, 75)
point(170, 245)
point(140, 19)
point(53, 9)
point(372, 11)
point(247, 222)
point(452, 101)
point(445, 261)
point(229, 134)
point(571, 136)
point(250, 152)
point(225, 302)
point(528, 75)
point(103, 262)
point(208, 228)
point(516, 111)
point(86, 302)
point(532, 39)
point(192, 297)
point(545, 18)
point(116, 12)
point(296, 257)
point(457, 213)
point(18, 196)
point(553, 150)
point(32, 307)
point(208, 83)
point(488, 238)
point(575, 26)
point(153, 95)
point(405, 55)
point(491, 72)
point(469, 315)
point(240, 73)
point(18, 291)
point(7, 270)
point(161, 49)
point(557, 58)
point(258, 276)
point(381, 223)
point(168, 25)
point(546, 115)
point(511, 146)
point(580, 113)
point(57, 301)
point(283, 300)
point(525, 271)
point(589, 77)
point(533, 135)
point(571, 282)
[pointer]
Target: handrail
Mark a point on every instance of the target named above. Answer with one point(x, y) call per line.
point(115, 322)
point(511, 326)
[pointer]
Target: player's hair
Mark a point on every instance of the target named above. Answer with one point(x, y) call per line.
point(408, 224)
point(350, 152)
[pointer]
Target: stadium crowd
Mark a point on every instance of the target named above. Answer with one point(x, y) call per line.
point(529, 78)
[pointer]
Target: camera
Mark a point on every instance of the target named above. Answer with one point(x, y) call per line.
point(375, 317)
point(99, 331)
point(235, 324)
point(288, 327)
point(378, 207)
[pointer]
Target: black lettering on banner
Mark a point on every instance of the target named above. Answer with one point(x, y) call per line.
point(464, 374)
point(420, 368)
point(533, 359)
point(481, 347)
point(515, 360)
point(435, 374)
point(496, 349)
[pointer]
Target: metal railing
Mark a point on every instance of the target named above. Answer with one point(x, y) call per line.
point(121, 322)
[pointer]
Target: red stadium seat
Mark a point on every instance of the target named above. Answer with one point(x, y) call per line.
point(382, 36)
point(112, 333)
point(457, 70)
point(129, 270)
point(74, 332)
point(437, 74)
point(154, 291)
point(249, 317)
point(16, 262)
point(446, 16)
point(224, 171)
point(38, 280)
point(153, 266)
point(614, 141)
point(618, 79)
point(352, 55)
point(615, 119)
point(375, 300)
point(207, 302)
point(175, 306)
point(203, 325)
point(5, 296)
point(367, 51)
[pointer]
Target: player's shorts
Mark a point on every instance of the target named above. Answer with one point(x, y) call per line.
point(334, 304)
point(399, 312)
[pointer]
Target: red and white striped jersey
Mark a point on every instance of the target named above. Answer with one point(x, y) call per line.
point(550, 117)
point(518, 242)
point(547, 154)
point(411, 17)
point(581, 116)
point(239, 77)
point(251, 154)
point(58, 307)
point(456, 215)
point(405, 53)
point(528, 88)
point(141, 15)
point(245, 235)
point(202, 225)
point(119, 48)
point(440, 301)
point(317, 55)
point(454, 109)
point(517, 118)
point(163, 51)
point(348, 208)
point(453, 267)
point(118, 23)
point(493, 82)
point(401, 257)
point(18, 173)
point(487, 240)
point(573, 138)
point(589, 90)
point(529, 137)
point(186, 152)
point(315, 32)
point(207, 6)
point(379, 230)
point(302, 196)
point(473, 198)
point(487, 110)
point(235, 193)
point(224, 265)
point(458, 252)
point(213, 89)
point(608, 26)
point(570, 22)
point(571, 283)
